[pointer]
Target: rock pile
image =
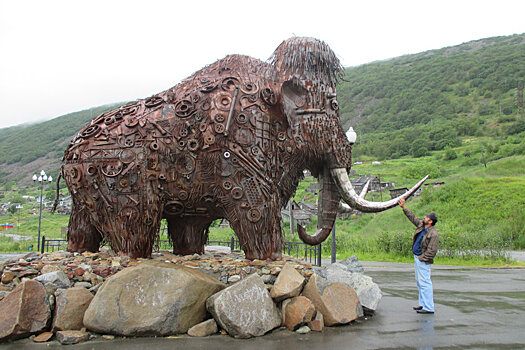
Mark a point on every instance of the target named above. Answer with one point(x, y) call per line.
point(66, 295)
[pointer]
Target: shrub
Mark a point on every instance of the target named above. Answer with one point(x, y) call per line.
point(506, 118)
point(449, 154)
point(470, 161)
point(516, 127)
point(399, 243)
point(486, 109)
point(418, 152)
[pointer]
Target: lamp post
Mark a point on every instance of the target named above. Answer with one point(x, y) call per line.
point(42, 179)
point(351, 135)
point(18, 207)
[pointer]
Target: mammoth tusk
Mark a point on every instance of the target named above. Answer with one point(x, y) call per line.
point(340, 176)
point(364, 191)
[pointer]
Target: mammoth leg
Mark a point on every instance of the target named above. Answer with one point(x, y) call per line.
point(188, 234)
point(139, 236)
point(82, 236)
point(259, 230)
point(130, 230)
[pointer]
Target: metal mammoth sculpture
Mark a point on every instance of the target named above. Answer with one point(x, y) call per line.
point(231, 141)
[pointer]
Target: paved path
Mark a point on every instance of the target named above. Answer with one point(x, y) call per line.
point(518, 255)
point(7, 256)
point(475, 309)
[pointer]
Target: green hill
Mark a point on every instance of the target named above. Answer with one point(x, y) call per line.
point(419, 103)
point(43, 142)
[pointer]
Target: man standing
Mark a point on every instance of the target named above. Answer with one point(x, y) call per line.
point(424, 246)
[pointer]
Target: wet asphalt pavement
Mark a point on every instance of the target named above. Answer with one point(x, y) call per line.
point(475, 309)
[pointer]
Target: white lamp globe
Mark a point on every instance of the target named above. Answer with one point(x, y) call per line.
point(351, 135)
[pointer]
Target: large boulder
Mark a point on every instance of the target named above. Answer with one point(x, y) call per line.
point(297, 312)
point(368, 292)
point(71, 304)
point(153, 298)
point(288, 284)
point(245, 309)
point(25, 311)
point(338, 303)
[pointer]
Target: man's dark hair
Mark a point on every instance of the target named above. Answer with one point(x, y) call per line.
point(433, 217)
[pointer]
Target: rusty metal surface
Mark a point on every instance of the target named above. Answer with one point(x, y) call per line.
point(231, 141)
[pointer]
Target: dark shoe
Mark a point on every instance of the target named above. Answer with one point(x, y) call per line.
point(418, 308)
point(424, 312)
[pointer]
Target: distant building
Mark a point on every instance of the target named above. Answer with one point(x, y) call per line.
point(300, 216)
point(64, 205)
point(314, 188)
point(396, 192)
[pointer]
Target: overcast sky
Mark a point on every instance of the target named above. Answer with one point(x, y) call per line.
point(58, 57)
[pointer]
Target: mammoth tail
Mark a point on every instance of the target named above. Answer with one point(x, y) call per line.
point(57, 195)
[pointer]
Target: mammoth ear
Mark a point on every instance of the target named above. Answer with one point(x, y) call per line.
point(294, 97)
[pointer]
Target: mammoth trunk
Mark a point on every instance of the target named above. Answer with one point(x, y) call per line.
point(326, 212)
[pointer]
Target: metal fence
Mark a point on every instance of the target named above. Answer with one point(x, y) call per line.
point(312, 254)
point(52, 245)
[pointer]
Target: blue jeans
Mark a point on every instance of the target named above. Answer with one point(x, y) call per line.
point(424, 284)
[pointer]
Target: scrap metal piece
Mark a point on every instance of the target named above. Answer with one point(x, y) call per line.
point(153, 101)
point(254, 215)
point(90, 131)
point(184, 108)
point(230, 115)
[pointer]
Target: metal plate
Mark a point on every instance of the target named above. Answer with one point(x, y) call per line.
point(254, 215)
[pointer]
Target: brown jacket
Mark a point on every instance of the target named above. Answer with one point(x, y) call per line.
point(430, 243)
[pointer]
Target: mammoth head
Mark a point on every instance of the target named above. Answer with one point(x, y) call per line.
point(309, 71)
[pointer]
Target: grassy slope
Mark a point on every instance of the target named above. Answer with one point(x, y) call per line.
point(478, 208)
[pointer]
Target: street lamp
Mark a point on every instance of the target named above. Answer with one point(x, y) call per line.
point(18, 206)
point(351, 135)
point(42, 179)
